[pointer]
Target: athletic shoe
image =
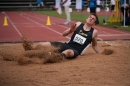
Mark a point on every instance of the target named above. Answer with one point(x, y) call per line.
point(66, 23)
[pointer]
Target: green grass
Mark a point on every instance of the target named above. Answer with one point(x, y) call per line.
point(82, 17)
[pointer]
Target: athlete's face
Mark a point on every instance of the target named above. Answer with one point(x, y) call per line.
point(91, 20)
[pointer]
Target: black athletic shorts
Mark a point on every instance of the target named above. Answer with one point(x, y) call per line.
point(64, 46)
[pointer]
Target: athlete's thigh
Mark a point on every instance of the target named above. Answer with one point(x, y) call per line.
point(69, 53)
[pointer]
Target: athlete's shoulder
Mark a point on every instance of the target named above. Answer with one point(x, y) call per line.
point(78, 23)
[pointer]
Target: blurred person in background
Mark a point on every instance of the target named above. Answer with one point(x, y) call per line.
point(102, 4)
point(98, 3)
point(66, 4)
point(40, 3)
point(57, 6)
point(112, 5)
point(79, 5)
point(126, 5)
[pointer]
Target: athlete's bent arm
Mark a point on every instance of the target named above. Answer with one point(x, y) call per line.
point(66, 32)
point(94, 43)
point(70, 30)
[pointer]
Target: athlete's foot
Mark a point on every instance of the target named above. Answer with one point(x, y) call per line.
point(27, 45)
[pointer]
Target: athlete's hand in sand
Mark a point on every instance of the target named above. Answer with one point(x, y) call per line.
point(73, 28)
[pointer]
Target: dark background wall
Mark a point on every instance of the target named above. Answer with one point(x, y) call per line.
point(28, 4)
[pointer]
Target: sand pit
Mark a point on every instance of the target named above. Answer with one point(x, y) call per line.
point(27, 68)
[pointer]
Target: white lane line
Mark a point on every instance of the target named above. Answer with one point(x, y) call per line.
point(45, 27)
point(99, 39)
point(114, 35)
point(12, 24)
point(29, 26)
point(102, 28)
point(51, 22)
point(22, 23)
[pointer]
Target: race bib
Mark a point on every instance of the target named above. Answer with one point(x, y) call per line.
point(79, 39)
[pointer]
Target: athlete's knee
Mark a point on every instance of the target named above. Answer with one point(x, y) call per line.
point(45, 44)
point(42, 44)
point(69, 53)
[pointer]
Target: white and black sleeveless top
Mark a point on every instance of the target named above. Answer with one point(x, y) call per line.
point(81, 39)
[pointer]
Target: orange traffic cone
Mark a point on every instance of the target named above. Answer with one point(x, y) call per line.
point(48, 21)
point(5, 22)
